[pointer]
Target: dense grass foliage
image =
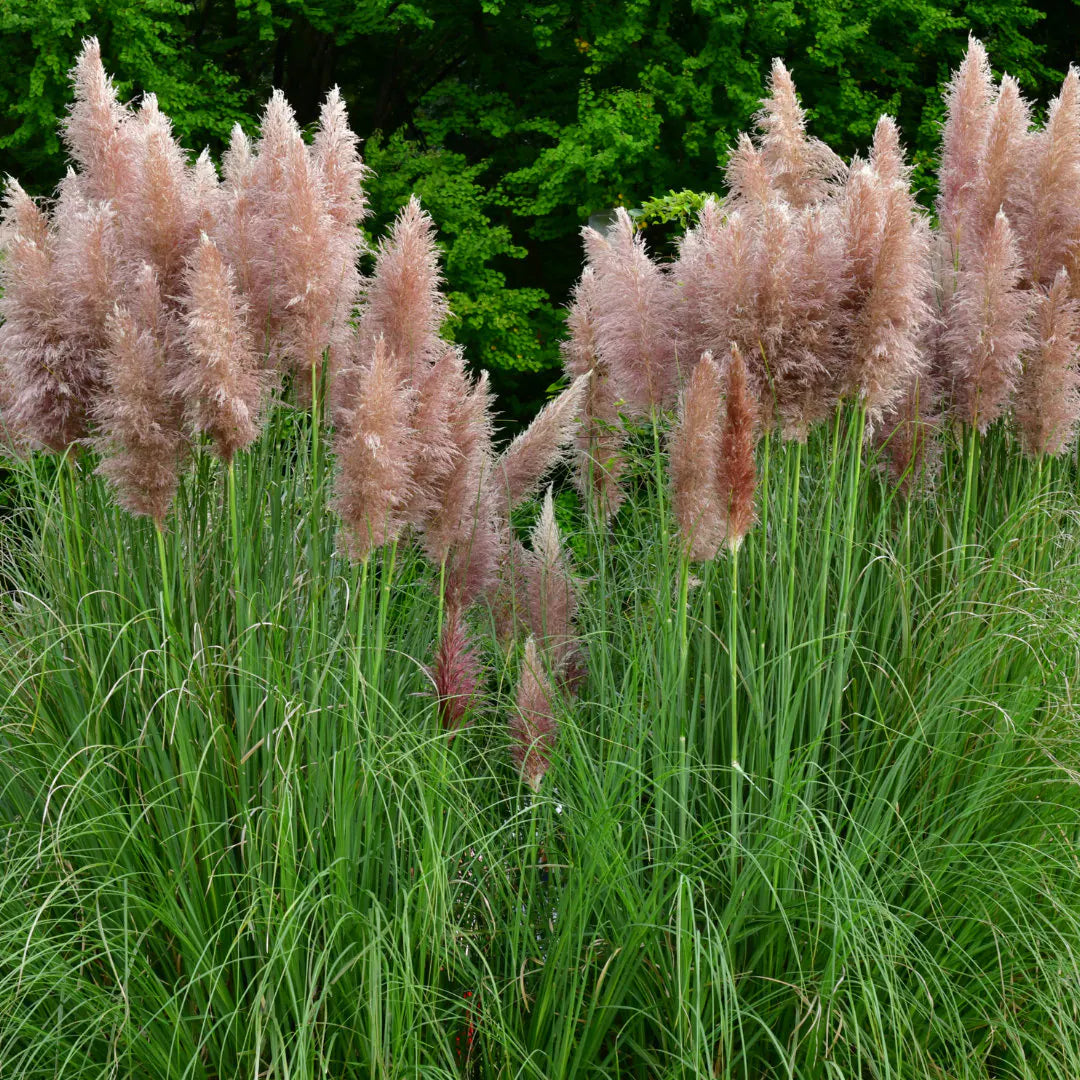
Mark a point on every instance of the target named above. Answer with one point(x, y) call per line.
point(813, 814)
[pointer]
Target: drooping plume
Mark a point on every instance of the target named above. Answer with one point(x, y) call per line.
point(800, 167)
point(455, 674)
point(218, 377)
point(633, 317)
point(738, 438)
point(695, 463)
point(1048, 393)
point(524, 464)
point(141, 440)
point(373, 443)
point(986, 332)
point(532, 724)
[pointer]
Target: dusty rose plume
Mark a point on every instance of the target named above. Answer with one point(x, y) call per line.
point(524, 464)
point(800, 167)
point(532, 724)
point(50, 378)
point(1002, 178)
point(337, 157)
point(695, 460)
point(986, 332)
point(551, 590)
point(633, 305)
point(738, 438)
point(600, 436)
point(1047, 403)
point(141, 440)
point(455, 674)
point(373, 443)
point(218, 377)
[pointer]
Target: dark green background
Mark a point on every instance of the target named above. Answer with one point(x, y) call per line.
point(514, 119)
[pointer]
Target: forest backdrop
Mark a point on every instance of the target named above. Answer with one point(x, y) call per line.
point(514, 120)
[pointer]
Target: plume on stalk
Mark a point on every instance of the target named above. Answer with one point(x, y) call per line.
point(695, 461)
point(532, 724)
point(373, 444)
point(1047, 404)
point(550, 591)
point(336, 150)
point(986, 332)
point(141, 440)
point(738, 439)
point(799, 167)
point(1052, 215)
point(218, 377)
point(239, 231)
point(633, 317)
point(524, 464)
point(600, 436)
point(49, 378)
point(455, 674)
point(1002, 178)
point(907, 434)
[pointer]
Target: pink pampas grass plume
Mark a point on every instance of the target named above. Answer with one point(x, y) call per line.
point(337, 157)
point(532, 724)
point(747, 175)
point(50, 379)
point(1047, 405)
point(239, 230)
point(634, 317)
point(1051, 218)
point(218, 377)
point(697, 272)
point(402, 299)
point(455, 674)
point(737, 474)
point(907, 434)
point(694, 462)
point(98, 131)
point(529, 458)
point(800, 167)
point(600, 436)
point(968, 101)
point(1008, 144)
point(550, 590)
point(986, 332)
point(373, 445)
point(141, 441)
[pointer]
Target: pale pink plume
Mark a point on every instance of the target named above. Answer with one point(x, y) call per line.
point(50, 380)
point(1003, 177)
point(218, 376)
point(402, 299)
point(551, 590)
point(694, 458)
point(373, 444)
point(747, 176)
point(141, 440)
point(532, 724)
point(887, 155)
point(1047, 406)
point(530, 457)
point(737, 475)
point(205, 196)
point(698, 274)
point(800, 167)
point(986, 332)
point(337, 156)
point(1051, 219)
point(456, 672)
point(240, 231)
point(98, 132)
point(634, 317)
point(600, 436)
point(968, 102)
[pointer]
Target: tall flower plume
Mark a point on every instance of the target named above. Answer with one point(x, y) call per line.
point(1048, 393)
point(738, 438)
point(551, 590)
point(532, 723)
point(456, 672)
point(218, 377)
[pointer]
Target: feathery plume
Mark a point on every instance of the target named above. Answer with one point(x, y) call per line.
point(907, 434)
point(524, 464)
point(1048, 393)
point(218, 377)
point(986, 332)
point(532, 725)
point(1051, 218)
point(737, 475)
point(550, 592)
point(373, 445)
point(337, 157)
point(141, 441)
point(634, 317)
point(1008, 145)
point(697, 273)
point(968, 102)
point(800, 167)
point(455, 674)
point(887, 155)
point(402, 301)
point(747, 176)
point(695, 460)
point(50, 380)
point(239, 231)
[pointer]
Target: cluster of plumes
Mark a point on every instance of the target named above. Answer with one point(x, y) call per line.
point(156, 303)
point(1009, 256)
point(414, 446)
